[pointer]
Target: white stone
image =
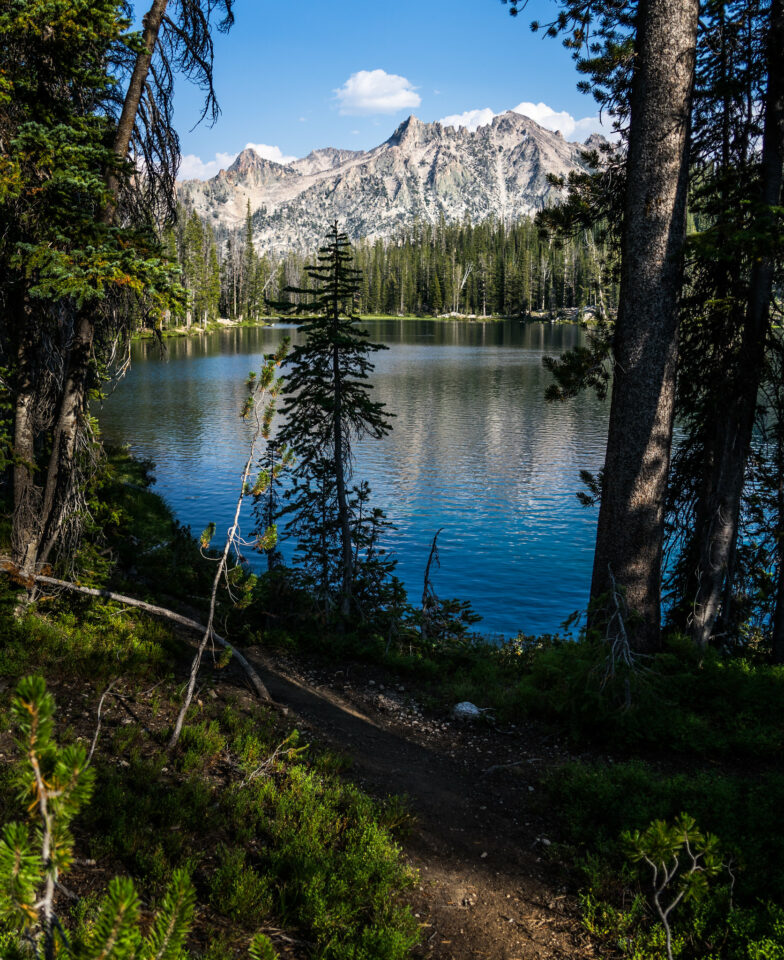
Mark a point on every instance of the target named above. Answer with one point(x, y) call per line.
point(466, 711)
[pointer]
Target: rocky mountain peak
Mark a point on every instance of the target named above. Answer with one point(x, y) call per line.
point(248, 160)
point(595, 142)
point(410, 131)
point(423, 172)
point(326, 158)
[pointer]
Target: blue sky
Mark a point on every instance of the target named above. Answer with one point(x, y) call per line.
point(292, 77)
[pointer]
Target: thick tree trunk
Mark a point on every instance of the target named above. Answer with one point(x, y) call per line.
point(631, 518)
point(778, 616)
point(73, 405)
point(722, 508)
point(25, 527)
point(73, 400)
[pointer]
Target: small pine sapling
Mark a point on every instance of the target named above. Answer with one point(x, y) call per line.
point(682, 860)
point(260, 402)
point(261, 948)
point(266, 498)
point(54, 783)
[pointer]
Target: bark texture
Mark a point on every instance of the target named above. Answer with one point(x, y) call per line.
point(722, 499)
point(25, 522)
point(34, 541)
point(631, 517)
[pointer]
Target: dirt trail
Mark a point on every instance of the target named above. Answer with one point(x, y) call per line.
point(487, 889)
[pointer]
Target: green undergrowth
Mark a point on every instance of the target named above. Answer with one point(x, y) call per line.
point(281, 841)
point(741, 915)
point(678, 701)
point(268, 829)
point(272, 832)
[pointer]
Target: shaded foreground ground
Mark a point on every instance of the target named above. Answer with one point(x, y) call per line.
point(487, 890)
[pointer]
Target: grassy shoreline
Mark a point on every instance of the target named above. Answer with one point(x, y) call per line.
point(197, 330)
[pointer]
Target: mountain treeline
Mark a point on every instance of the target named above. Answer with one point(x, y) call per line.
point(488, 269)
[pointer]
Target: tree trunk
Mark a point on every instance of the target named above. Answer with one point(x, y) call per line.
point(631, 517)
point(73, 400)
point(340, 480)
point(122, 139)
point(778, 615)
point(73, 405)
point(25, 528)
point(722, 508)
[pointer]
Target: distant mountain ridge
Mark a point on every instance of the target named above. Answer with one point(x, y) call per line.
point(422, 172)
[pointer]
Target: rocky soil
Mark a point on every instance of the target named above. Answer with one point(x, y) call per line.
point(490, 888)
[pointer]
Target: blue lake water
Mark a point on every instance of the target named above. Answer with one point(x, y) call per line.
point(475, 450)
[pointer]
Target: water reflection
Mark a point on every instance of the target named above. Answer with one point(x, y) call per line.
point(474, 450)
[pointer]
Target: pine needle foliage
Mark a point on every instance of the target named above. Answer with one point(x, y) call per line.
point(326, 386)
point(261, 948)
point(328, 402)
point(54, 783)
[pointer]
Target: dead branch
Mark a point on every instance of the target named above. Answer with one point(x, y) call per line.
point(255, 680)
point(94, 744)
point(260, 389)
point(429, 598)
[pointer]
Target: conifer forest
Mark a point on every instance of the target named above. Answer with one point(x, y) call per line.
point(255, 700)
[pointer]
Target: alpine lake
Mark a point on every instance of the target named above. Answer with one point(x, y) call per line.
point(475, 451)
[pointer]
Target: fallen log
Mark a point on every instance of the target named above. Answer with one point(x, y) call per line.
point(255, 680)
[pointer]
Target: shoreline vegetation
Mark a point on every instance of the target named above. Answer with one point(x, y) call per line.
point(585, 317)
point(630, 765)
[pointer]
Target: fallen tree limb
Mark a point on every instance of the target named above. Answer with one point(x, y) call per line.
point(504, 766)
point(155, 611)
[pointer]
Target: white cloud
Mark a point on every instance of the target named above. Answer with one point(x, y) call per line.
point(543, 114)
point(471, 119)
point(194, 168)
point(561, 120)
point(269, 153)
point(376, 91)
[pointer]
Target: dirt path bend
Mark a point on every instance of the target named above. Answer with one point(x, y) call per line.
point(487, 890)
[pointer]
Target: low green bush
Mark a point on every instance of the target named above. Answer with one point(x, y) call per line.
point(337, 871)
point(238, 891)
point(596, 804)
point(679, 700)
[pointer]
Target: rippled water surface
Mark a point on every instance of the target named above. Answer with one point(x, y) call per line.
point(475, 450)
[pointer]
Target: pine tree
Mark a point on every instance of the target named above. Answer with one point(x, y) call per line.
point(328, 402)
point(267, 499)
point(55, 783)
point(249, 271)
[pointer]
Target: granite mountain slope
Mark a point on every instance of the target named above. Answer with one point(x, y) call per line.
point(422, 172)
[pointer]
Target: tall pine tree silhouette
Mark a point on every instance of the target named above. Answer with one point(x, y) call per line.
point(327, 395)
